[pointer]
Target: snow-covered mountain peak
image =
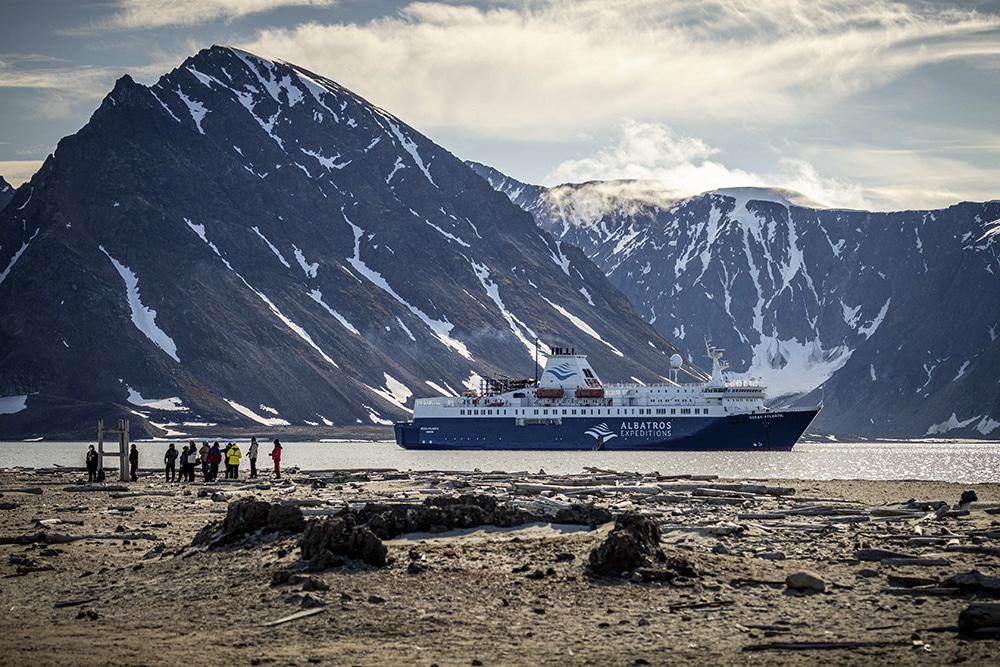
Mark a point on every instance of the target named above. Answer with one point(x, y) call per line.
point(253, 245)
point(784, 197)
point(894, 315)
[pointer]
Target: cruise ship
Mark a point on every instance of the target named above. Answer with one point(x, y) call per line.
point(569, 408)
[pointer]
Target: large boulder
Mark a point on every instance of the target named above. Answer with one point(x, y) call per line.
point(980, 619)
point(633, 543)
point(322, 541)
point(247, 516)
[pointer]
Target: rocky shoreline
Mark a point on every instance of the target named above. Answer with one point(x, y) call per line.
point(383, 567)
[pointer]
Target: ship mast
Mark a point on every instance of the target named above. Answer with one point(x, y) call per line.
point(718, 365)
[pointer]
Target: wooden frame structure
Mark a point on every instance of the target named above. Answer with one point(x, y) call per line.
point(122, 453)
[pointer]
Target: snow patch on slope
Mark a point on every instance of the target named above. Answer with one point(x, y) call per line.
point(17, 255)
point(582, 326)
point(13, 404)
point(260, 419)
point(789, 367)
point(171, 404)
point(143, 318)
point(410, 147)
point(394, 391)
point(277, 253)
point(950, 424)
point(520, 329)
point(317, 296)
point(441, 329)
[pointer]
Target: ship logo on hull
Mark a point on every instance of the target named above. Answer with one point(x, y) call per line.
point(601, 433)
point(562, 372)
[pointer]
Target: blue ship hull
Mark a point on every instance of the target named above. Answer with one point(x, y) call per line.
point(768, 431)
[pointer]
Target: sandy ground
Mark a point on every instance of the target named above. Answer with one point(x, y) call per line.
point(134, 591)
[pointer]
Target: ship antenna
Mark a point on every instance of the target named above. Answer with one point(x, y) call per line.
point(536, 362)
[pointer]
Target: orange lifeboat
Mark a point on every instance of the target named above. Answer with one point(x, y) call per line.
point(549, 393)
point(590, 392)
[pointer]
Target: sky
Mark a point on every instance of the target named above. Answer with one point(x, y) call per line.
point(867, 104)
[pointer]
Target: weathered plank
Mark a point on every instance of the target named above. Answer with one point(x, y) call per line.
point(293, 617)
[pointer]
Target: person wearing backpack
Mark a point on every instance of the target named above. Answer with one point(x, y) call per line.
point(92, 464)
point(214, 458)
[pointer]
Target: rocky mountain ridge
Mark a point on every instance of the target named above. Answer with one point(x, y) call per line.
point(248, 245)
point(889, 319)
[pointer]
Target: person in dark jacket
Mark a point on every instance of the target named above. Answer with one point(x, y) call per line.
point(92, 464)
point(252, 455)
point(206, 469)
point(133, 460)
point(170, 461)
point(214, 459)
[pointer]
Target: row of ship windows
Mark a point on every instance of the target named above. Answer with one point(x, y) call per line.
point(593, 411)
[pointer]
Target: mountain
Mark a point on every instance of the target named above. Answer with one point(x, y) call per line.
point(890, 319)
point(6, 192)
point(248, 245)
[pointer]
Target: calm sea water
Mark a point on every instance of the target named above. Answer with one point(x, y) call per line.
point(964, 462)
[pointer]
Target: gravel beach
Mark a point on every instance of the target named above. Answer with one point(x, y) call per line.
point(394, 568)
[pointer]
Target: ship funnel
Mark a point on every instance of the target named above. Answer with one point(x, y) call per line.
point(566, 370)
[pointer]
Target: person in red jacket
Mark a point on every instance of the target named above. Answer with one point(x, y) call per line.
point(276, 456)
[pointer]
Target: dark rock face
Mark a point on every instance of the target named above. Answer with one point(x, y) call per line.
point(894, 314)
point(323, 541)
point(246, 516)
point(980, 619)
point(633, 543)
point(441, 514)
point(249, 244)
point(6, 193)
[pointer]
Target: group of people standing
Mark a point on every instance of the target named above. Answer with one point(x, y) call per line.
point(209, 457)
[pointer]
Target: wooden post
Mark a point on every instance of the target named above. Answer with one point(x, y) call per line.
point(123, 442)
point(123, 446)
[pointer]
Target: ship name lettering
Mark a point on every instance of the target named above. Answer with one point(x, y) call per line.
point(646, 429)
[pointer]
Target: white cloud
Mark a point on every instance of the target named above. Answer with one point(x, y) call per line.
point(681, 166)
point(144, 14)
point(786, 82)
point(511, 70)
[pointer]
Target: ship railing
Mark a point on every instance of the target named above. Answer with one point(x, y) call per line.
point(443, 401)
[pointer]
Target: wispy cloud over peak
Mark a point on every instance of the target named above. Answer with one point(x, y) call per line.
point(146, 15)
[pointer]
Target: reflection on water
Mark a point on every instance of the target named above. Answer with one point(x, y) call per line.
point(964, 462)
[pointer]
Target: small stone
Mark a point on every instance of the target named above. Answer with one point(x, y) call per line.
point(314, 584)
point(309, 602)
point(771, 555)
point(805, 581)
